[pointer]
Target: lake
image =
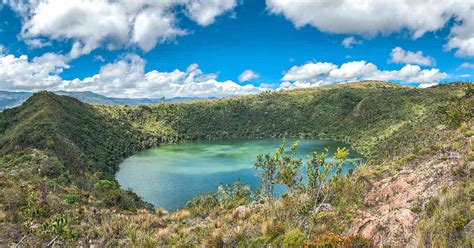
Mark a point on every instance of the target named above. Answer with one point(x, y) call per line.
point(171, 175)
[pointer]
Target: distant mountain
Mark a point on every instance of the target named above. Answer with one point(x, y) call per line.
point(11, 99)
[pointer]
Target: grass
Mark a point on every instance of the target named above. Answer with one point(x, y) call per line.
point(58, 157)
point(445, 218)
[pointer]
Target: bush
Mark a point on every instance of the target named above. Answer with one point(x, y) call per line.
point(331, 240)
point(293, 238)
point(71, 198)
point(105, 185)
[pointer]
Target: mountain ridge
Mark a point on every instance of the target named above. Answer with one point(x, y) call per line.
point(9, 99)
point(75, 148)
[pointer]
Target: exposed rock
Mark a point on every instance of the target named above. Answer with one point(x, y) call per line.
point(469, 229)
point(388, 218)
point(241, 212)
point(470, 168)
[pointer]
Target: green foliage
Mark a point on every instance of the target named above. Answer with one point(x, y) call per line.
point(312, 167)
point(445, 218)
point(330, 240)
point(288, 167)
point(105, 185)
point(457, 113)
point(293, 238)
point(279, 168)
point(226, 196)
point(378, 119)
point(266, 168)
point(76, 148)
point(56, 226)
point(71, 198)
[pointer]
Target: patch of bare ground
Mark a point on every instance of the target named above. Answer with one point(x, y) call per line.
point(394, 204)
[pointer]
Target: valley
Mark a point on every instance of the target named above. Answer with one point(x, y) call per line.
point(60, 158)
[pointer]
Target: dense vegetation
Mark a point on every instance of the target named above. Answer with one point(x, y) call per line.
point(59, 157)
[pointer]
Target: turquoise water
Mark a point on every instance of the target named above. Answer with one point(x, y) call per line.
point(171, 175)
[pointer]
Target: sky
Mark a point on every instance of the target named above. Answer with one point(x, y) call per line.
point(221, 48)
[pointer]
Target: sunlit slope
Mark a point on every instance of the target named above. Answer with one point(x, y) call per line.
point(378, 119)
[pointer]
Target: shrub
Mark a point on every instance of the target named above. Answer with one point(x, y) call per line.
point(104, 185)
point(71, 198)
point(293, 238)
point(330, 240)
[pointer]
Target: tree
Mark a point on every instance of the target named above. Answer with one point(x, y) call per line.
point(288, 169)
point(266, 170)
point(279, 168)
point(323, 175)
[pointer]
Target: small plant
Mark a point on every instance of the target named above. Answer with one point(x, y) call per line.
point(56, 226)
point(104, 185)
point(329, 239)
point(293, 238)
point(71, 198)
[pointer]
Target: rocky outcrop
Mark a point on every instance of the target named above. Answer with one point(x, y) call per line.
point(394, 203)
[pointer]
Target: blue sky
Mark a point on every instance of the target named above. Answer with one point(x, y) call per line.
point(283, 45)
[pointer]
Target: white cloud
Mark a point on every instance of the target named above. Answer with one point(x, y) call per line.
point(94, 23)
point(308, 71)
point(401, 56)
point(321, 73)
point(123, 78)
point(152, 27)
point(350, 41)
point(373, 17)
point(427, 85)
point(127, 78)
point(466, 65)
point(20, 73)
point(204, 12)
point(248, 75)
point(37, 43)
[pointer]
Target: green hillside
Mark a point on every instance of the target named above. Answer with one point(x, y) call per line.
point(76, 148)
point(377, 119)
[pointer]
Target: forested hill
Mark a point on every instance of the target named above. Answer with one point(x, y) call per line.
point(378, 119)
point(58, 158)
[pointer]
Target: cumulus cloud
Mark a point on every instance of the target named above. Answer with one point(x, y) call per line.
point(94, 23)
point(124, 78)
point(350, 41)
point(427, 85)
point(20, 73)
point(248, 75)
point(401, 56)
point(204, 12)
point(372, 17)
point(322, 73)
point(152, 27)
point(127, 78)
